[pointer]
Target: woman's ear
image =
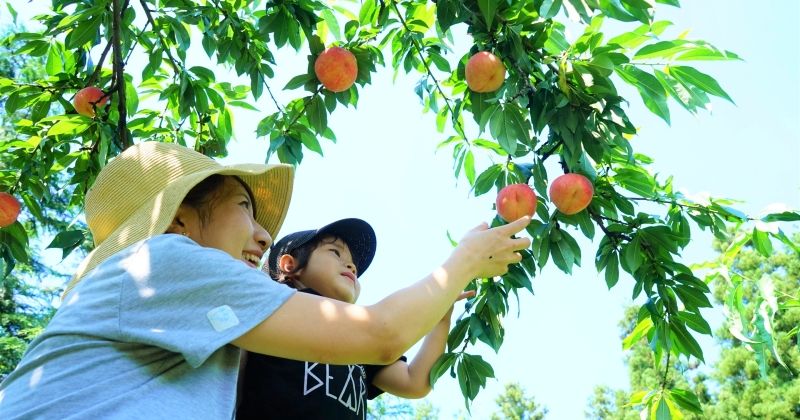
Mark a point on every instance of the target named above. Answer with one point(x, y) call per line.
point(287, 263)
point(178, 225)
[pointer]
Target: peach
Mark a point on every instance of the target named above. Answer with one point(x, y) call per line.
point(485, 72)
point(87, 99)
point(336, 68)
point(515, 201)
point(571, 193)
point(9, 209)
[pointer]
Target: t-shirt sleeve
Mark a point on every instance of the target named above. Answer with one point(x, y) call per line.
point(371, 371)
point(191, 299)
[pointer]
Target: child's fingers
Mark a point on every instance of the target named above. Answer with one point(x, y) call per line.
point(465, 295)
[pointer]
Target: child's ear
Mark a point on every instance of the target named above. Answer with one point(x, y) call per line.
point(287, 263)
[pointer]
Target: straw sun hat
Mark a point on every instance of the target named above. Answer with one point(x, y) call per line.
point(138, 193)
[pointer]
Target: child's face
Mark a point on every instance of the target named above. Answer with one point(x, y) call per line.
point(331, 272)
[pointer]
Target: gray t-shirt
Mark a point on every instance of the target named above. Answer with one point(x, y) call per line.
point(145, 335)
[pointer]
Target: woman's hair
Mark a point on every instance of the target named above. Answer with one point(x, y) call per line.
point(205, 194)
point(301, 256)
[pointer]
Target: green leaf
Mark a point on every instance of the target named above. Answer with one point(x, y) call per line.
point(488, 10)
point(612, 270)
point(691, 297)
point(761, 242)
point(706, 83)
point(695, 322)
point(445, 362)
point(686, 400)
point(73, 125)
point(311, 142)
point(240, 104)
point(298, 81)
point(640, 331)
point(662, 410)
point(634, 256)
point(54, 64)
point(686, 340)
point(84, 32)
point(367, 12)
point(67, 240)
point(550, 8)
point(636, 180)
point(486, 179)
point(317, 114)
point(786, 216)
point(662, 49)
point(651, 91)
point(501, 128)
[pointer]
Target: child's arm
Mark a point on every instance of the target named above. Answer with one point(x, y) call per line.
point(313, 328)
point(411, 380)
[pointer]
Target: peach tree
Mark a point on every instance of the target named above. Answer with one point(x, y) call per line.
point(558, 102)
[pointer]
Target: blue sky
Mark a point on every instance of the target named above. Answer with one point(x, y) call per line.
point(385, 170)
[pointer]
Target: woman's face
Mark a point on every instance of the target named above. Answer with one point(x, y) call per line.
point(230, 225)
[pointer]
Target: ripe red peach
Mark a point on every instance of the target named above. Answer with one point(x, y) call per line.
point(9, 209)
point(571, 193)
point(87, 100)
point(336, 68)
point(485, 72)
point(515, 201)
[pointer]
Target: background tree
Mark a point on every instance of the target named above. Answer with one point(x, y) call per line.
point(390, 407)
point(559, 101)
point(749, 380)
point(515, 404)
point(25, 301)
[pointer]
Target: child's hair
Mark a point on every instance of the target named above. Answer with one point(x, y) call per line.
point(301, 256)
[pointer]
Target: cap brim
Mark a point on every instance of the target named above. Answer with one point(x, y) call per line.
point(359, 237)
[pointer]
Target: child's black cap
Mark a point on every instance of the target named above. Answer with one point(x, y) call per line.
point(356, 233)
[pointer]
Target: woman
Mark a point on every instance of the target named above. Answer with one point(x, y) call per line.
point(154, 319)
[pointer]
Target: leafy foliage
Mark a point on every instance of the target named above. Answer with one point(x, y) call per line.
point(756, 376)
point(514, 404)
point(559, 101)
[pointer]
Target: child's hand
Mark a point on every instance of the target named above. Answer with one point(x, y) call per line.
point(464, 295)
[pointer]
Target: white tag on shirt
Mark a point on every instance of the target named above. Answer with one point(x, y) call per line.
point(222, 318)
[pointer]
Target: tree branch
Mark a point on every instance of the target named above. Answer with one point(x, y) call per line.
point(119, 73)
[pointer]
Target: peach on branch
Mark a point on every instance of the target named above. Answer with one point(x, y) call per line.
point(336, 68)
point(571, 193)
point(485, 72)
point(88, 99)
point(9, 209)
point(515, 201)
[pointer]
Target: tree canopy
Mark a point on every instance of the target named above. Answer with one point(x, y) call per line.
point(557, 111)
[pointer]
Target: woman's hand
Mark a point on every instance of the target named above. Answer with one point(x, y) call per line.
point(488, 252)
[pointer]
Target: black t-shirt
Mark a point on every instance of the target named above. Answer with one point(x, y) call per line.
point(273, 387)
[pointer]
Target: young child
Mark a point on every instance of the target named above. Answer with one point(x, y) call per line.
point(328, 262)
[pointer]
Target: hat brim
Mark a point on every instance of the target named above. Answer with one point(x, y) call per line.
point(271, 186)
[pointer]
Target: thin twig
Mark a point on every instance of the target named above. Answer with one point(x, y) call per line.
point(427, 67)
point(96, 73)
point(175, 66)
